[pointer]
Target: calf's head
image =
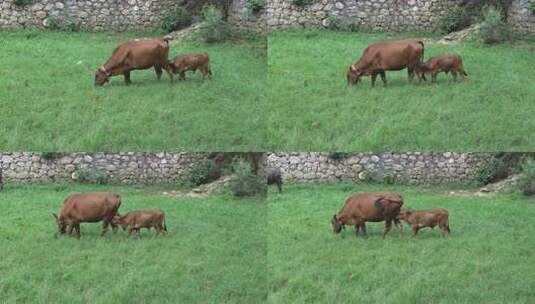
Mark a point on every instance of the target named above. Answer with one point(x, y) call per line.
point(353, 75)
point(101, 76)
point(119, 220)
point(62, 226)
point(337, 225)
point(404, 214)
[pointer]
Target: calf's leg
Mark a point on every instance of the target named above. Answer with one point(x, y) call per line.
point(415, 230)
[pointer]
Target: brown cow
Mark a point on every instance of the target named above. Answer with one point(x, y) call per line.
point(135, 220)
point(87, 208)
point(426, 218)
point(134, 55)
point(387, 56)
point(369, 207)
point(445, 63)
point(190, 62)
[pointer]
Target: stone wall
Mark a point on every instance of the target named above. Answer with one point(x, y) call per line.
point(113, 15)
point(521, 17)
point(23, 167)
point(243, 19)
point(391, 15)
point(416, 167)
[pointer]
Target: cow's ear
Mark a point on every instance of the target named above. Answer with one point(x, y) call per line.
point(352, 68)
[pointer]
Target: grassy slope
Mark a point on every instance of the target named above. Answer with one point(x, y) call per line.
point(48, 100)
point(212, 253)
point(311, 107)
point(488, 258)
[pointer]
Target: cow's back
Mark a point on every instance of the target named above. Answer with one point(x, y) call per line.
point(91, 207)
point(140, 54)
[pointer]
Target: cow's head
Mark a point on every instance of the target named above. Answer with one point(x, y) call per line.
point(62, 226)
point(118, 220)
point(337, 225)
point(353, 75)
point(404, 214)
point(101, 76)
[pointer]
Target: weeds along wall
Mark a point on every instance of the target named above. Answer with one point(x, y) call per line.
point(112, 15)
point(415, 167)
point(377, 15)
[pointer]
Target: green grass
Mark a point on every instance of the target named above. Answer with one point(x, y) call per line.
point(48, 100)
point(487, 259)
point(214, 251)
point(312, 108)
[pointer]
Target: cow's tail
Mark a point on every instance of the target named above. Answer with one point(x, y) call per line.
point(167, 38)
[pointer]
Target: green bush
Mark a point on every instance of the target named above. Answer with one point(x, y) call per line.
point(91, 176)
point(493, 171)
point(526, 183)
point(202, 172)
point(22, 2)
point(345, 25)
point(51, 155)
point(256, 5)
point(68, 24)
point(532, 7)
point(302, 2)
point(245, 182)
point(455, 18)
point(176, 20)
point(339, 155)
point(214, 27)
point(494, 29)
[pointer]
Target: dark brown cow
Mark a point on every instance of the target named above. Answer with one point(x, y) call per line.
point(275, 177)
point(369, 207)
point(446, 63)
point(190, 62)
point(87, 208)
point(134, 55)
point(135, 220)
point(387, 56)
point(419, 219)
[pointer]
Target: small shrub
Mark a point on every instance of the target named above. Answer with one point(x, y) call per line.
point(377, 177)
point(214, 28)
point(454, 19)
point(302, 2)
point(91, 176)
point(493, 171)
point(22, 2)
point(526, 182)
point(202, 172)
point(245, 182)
point(68, 24)
point(345, 25)
point(532, 7)
point(256, 5)
point(494, 29)
point(339, 155)
point(176, 20)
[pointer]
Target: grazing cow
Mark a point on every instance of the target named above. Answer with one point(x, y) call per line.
point(87, 208)
point(135, 220)
point(387, 56)
point(369, 207)
point(275, 177)
point(426, 218)
point(190, 62)
point(134, 55)
point(445, 63)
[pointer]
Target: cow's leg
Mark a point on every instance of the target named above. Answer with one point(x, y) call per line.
point(415, 230)
point(158, 70)
point(399, 226)
point(363, 229)
point(104, 227)
point(127, 77)
point(411, 74)
point(434, 77)
point(130, 229)
point(454, 75)
point(357, 229)
point(383, 77)
point(183, 75)
point(388, 226)
point(77, 229)
point(374, 76)
point(69, 230)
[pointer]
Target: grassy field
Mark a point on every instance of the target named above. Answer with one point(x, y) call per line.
point(487, 259)
point(48, 100)
point(312, 108)
point(212, 252)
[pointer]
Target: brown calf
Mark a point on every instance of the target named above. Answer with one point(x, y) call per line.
point(446, 63)
point(426, 218)
point(190, 62)
point(369, 207)
point(87, 208)
point(135, 220)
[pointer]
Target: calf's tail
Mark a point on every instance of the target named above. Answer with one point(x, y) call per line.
point(164, 225)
